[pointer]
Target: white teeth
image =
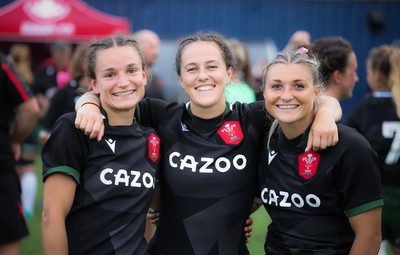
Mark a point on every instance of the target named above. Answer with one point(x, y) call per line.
point(123, 93)
point(287, 106)
point(204, 88)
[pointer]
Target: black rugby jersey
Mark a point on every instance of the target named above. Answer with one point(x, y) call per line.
point(376, 119)
point(116, 180)
point(309, 196)
point(12, 93)
point(207, 177)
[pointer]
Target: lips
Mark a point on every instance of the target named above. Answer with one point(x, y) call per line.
point(124, 93)
point(287, 106)
point(205, 87)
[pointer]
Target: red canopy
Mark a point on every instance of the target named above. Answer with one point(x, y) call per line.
point(50, 20)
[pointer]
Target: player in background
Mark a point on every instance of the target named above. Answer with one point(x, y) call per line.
point(20, 112)
point(96, 194)
point(376, 119)
point(328, 202)
point(209, 152)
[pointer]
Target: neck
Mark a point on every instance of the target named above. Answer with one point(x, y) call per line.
point(208, 112)
point(121, 118)
point(293, 130)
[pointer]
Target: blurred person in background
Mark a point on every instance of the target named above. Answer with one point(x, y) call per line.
point(338, 66)
point(64, 99)
point(376, 119)
point(240, 88)
point(54, 74)
point(20, 54)
point(300, 38)
point(149, 43)
point(19, 111)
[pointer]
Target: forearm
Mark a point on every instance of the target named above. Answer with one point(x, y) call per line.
point(85, 98)
point(24, 121)
point(330, 105)
point(54, 238)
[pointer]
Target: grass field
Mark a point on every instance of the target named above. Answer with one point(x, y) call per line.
point(32, 245)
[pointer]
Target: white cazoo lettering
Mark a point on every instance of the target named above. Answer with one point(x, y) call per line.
point(270, 197)
point(221, 164)
point(122, 177)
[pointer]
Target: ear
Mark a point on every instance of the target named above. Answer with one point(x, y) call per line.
point(181, 82)
point(95, 88)
point(317, 91)
point(145, 76)
point(229, 74)
point(336, 76)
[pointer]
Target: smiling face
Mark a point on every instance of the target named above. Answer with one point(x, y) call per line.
point(289, 95)
point(120, 79)
point(204, 76)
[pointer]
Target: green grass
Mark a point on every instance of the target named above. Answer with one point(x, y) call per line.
point(32, 244)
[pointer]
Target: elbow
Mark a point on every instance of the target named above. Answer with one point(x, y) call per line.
point(35, 109)
point(46, 219)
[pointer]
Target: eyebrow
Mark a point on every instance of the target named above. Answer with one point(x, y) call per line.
point(207, 62)
point(113, 68)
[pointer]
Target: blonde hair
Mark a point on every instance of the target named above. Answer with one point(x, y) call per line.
point(394, 77)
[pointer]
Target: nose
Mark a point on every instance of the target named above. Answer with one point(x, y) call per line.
point(203, 75)
point(123, 79)
point(356, 77)
point(286, 94)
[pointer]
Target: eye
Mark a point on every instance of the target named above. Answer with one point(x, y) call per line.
point(132, 70)
point(191, 69)
point(212, 67)
point(276, 86)
point(299, 86)
point(109, 75)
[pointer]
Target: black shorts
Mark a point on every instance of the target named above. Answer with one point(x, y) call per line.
point(12, 220)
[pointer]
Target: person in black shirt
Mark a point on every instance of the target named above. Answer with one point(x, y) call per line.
point(19, 111)
point(328, 202)
point(376, 119)
point(208, 175)
point(96, 194)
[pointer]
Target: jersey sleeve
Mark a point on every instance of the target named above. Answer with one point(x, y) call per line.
point(151, 111)
point(66, 149)
point(359, 180)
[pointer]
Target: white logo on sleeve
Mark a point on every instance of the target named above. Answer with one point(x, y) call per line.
point(111, 143)
point(271, 156)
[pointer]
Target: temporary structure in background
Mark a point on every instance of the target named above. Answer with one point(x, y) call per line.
point(55, 20)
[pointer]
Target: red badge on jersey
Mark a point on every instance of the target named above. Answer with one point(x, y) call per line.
point(231, 132)
point(308, 164)
point(153, 143)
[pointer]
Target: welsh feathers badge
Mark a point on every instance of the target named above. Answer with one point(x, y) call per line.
point(308, 164)
point(154, 147)
point(231, 132)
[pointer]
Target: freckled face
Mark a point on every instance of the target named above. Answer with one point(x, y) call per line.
point(204, 76)
point(290, 94)
point(120, 79)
